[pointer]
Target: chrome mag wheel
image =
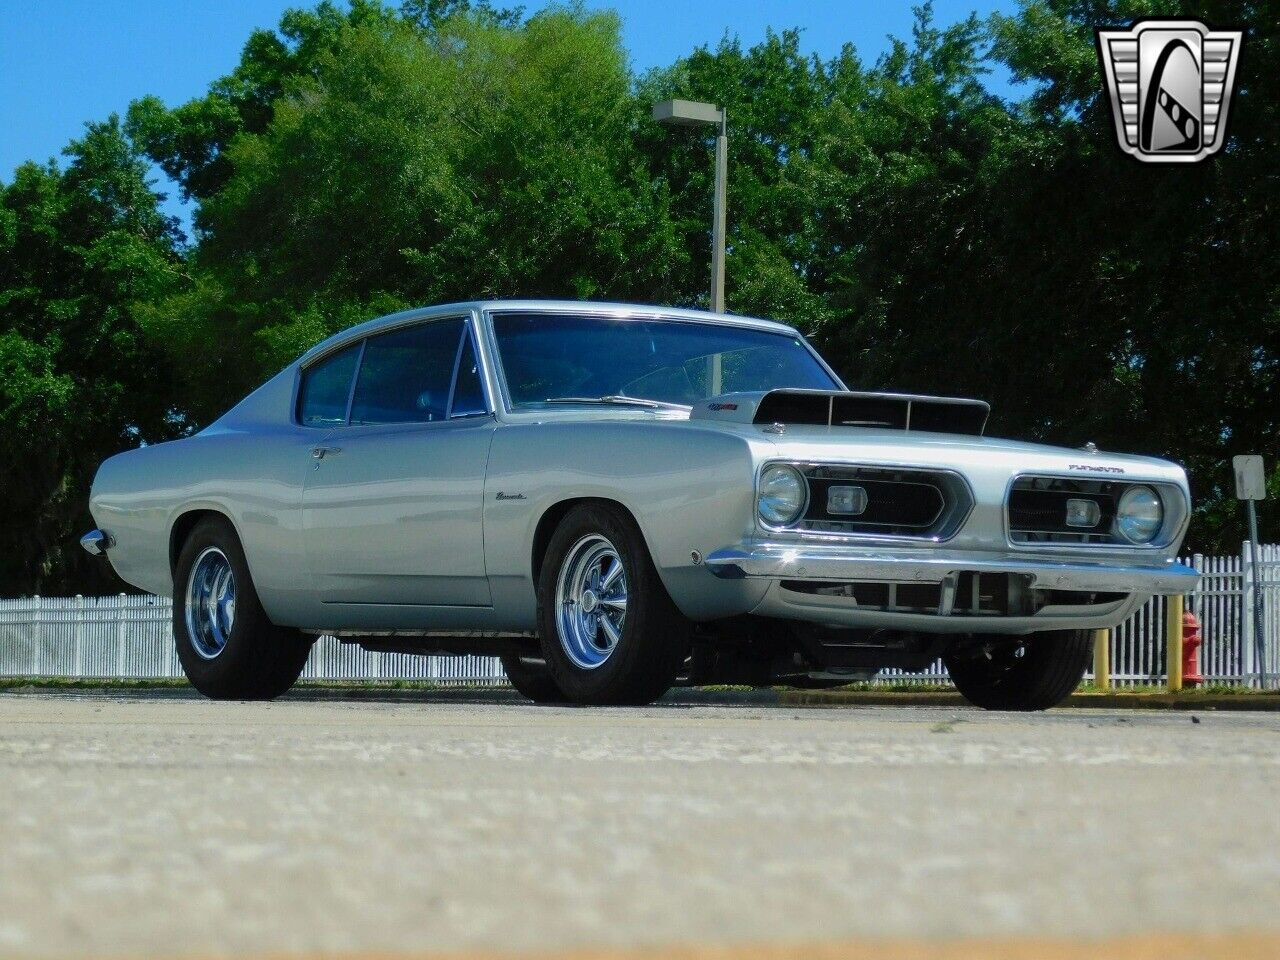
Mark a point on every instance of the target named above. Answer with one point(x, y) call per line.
point(591, 601)
point(210, 602)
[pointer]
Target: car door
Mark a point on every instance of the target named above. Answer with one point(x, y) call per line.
point(393, 501)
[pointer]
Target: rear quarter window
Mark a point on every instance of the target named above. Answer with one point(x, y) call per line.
point(322, 399)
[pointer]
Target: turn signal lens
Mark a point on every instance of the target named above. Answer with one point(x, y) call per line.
point(851, 501)
point(1083, 513)
point(782, 494)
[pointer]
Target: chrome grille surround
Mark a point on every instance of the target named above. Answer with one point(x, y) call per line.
point(909, 504)
point(1034, 502)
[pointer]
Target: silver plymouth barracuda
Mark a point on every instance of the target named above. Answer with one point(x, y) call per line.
point(615, 499)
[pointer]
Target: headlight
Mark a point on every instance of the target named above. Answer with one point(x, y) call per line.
point(1139, 515)
point(782, 494)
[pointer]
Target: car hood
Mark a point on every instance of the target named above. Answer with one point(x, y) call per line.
point(969, 453)
point(876, 446)
point(908, 430)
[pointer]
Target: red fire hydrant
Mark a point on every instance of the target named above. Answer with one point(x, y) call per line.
point(1190, 650)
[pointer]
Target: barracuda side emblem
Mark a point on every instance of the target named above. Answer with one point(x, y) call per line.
point(509, 496)
point(1090, 468)
point(1170, 83)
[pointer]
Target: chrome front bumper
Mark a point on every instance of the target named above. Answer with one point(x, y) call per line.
point(97, 542)
point(779, 561)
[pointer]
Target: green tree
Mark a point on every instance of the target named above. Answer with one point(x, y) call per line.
point(1169, 311)
point(190, 142)
point(80, 249)
point(408, 164)
point(778, 101)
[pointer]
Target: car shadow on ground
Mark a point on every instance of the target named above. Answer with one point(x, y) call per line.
point(679, 697)
point(371, 693)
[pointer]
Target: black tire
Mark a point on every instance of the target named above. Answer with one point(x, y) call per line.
point(1033, 673)
point(259, 660)
point(531, 679)
point(654, 637)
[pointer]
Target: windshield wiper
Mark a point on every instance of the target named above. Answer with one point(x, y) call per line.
point(620, 400)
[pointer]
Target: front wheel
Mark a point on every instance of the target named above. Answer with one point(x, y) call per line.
point(228, 648)
point(1023, 673)
point(610, 633)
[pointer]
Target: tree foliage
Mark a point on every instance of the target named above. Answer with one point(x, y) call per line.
point(409, 164)
point(81, 250)
point(932, 235)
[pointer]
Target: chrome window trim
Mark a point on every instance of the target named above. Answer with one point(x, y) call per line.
point(453, 376)
point(380, 325)
point(355, 379)
point(959, 521)
point(469, 334)
point(362, 339)
point(1168, 534)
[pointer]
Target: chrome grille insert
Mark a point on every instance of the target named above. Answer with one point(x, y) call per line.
point(902, 503)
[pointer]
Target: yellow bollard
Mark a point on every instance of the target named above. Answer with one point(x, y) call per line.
point(1102, 659)
point(1173, 644)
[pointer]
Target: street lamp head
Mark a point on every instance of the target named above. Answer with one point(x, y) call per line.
point(687, 113)
point(691, 113)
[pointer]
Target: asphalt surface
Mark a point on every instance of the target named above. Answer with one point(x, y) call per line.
point(136, 825)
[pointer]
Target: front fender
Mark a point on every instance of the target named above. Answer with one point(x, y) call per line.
point(687, 487)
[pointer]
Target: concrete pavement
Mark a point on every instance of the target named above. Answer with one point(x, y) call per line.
point(136, 825)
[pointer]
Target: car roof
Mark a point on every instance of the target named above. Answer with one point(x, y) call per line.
point(361, 330)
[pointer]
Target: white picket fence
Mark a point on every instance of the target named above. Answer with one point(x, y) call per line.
point(1223, 603)
point(123, 637)
point(131, 637)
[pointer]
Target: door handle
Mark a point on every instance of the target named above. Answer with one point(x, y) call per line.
point(319, 453)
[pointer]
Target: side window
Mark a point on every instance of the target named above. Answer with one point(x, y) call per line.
point(468, 395)
point(322, 400)
point(406, 374)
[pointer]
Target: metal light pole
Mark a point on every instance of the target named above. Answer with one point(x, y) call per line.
point(689, 113)
point(1259, 625)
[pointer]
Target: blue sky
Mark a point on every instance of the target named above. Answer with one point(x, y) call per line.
point(63, 62)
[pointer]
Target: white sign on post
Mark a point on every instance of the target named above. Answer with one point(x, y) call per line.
point(1251, 478)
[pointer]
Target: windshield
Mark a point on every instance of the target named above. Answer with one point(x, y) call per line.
point(549, 358)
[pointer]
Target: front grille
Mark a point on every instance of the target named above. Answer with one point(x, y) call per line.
point(975, 594)
point(1038, 509)
point(890, 503)
point(917, 597)
point(899, 503)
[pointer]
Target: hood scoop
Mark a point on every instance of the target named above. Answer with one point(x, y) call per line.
point(835, 408)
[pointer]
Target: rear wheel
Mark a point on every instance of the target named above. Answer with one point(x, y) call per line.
point(610, 632)
point(228, 648)
point(531, 679)
point(1028, 673)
